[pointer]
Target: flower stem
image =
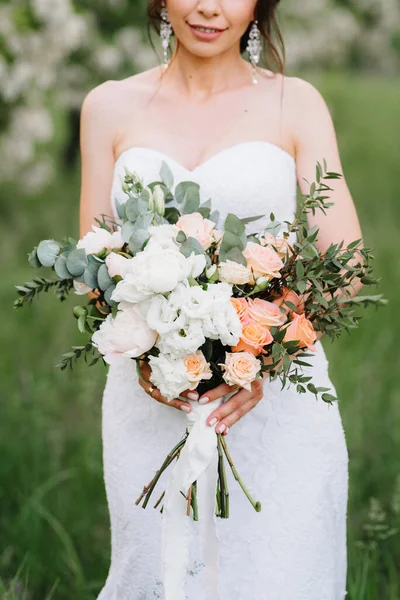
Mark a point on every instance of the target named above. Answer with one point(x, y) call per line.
point(223, 481)
point(194, 502)
point(256, 505)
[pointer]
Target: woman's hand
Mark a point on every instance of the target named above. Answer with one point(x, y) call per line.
point(145, 370)
point(236, 407)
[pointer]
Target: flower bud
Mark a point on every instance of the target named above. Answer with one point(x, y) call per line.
point(212, 273)
point(159, 200)
point(150, 199)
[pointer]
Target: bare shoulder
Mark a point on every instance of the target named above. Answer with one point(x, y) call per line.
point(116, 95)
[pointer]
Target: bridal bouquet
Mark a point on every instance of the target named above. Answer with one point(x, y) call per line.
point(204, 304)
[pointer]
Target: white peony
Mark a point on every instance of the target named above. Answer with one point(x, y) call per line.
point(95, 241)
point(81, 288)
point(234, 272)
point(169, 375)
point(156, 270)
point(125, 335)
point(117, 264)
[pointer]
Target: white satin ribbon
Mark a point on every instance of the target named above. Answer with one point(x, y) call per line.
point(198, 461)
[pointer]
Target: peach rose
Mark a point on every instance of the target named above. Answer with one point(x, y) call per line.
point(240, 368)
point(197, 368)
point(301, 329)
point(253, 339)
point(196, 226)
point(292, 297)
point(262, 261)
point(280, 243)
point(242, 309)
point(234, 272)
point(266, 313)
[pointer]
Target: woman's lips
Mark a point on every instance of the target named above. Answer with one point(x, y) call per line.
point(206, 35)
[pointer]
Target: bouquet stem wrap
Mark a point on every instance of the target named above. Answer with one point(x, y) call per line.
point(198, 461)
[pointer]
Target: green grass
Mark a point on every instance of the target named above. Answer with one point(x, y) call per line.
point(54, 525)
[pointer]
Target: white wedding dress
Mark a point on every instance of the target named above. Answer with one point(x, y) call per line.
point(290, 449)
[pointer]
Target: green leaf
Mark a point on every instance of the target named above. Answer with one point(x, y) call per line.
point(138, 239)
point(187, 193)
point(47, 252)
point(107, 294)
point(104, 279)
point(328, 398)
point(127, 231)
point(166, 175)
point(120, 208)
point(246, 220)
point(191, 245)
point(234, 225)
point(301, 286)
point(90, 278)
point(299, 269)
point(33, 260)
point(77, 261)
point(235, 255)
point(60, 267)
point(181, 237)
point(172, 214)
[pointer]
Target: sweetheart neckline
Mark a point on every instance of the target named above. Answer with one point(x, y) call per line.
point(211, 158)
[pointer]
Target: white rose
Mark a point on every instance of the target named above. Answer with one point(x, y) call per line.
point(234, 272)
point(117, 264)
point(81, 288)
point(180, 342)
point(240, 368)
point(155, 270)
point(125, 335)
point(169, 375)
point(95, 241)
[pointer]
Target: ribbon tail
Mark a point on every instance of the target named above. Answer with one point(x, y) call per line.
point(197, 462)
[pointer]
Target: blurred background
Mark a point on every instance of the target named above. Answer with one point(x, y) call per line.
point(54, 527)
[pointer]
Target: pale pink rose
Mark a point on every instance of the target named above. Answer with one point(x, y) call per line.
point(280, 243)
point(117, 264)
point(196, 226)
point(263, 261)
point(197, 368)
point(240, 368)
point(301, 329)
point(292, 297)
point(253, 339)
point(266, 313)
point(234, 272)
point(242, 309)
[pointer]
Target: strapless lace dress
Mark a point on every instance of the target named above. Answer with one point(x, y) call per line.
point(290, 450)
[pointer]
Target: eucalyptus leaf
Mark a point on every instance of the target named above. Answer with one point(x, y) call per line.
point(60, 267)
point(246, 220)
point(119, 206)
point(47, 252)
point(191, 245)
point(107, 294)
point(33, 260)
point(235, 255)
point(127, 231)
point(77, 261)
point(90, 278)
point(166, 175)
point(172, 214)
point(104, 279)
point(138, 239)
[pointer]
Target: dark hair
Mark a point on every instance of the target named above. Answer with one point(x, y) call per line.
point(267, 23)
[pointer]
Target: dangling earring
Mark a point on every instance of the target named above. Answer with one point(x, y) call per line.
point(254, 48)
point(165, 33)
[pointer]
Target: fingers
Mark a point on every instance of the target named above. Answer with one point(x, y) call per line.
point(217, 392)
point(236, 407)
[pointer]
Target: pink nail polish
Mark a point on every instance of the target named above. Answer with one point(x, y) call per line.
point(186, 408)
point(193, 395)
point(221, 428)
point(213, 421)
point(204, 400)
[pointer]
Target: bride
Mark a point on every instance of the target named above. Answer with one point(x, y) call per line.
point(248, 136)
